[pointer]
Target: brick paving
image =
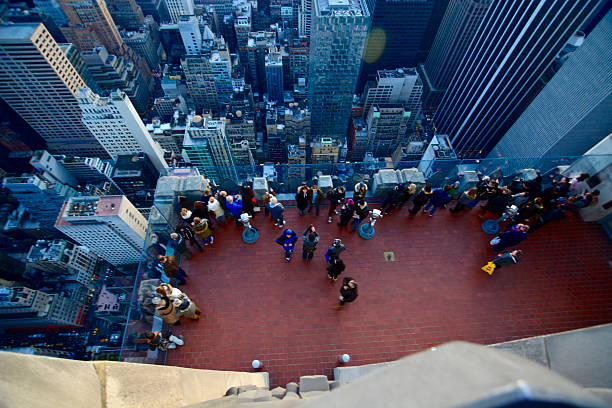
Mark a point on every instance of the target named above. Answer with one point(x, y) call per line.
point(256, 306)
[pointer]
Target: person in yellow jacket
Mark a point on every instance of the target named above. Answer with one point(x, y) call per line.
point(202, 230)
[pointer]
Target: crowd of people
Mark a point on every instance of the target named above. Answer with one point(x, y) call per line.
point(528, 205)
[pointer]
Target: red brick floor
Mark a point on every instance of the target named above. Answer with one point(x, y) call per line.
point(256, 306)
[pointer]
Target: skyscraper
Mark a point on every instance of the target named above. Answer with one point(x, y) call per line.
point(457, 30)
point(398, 29)
point(190, 33)
point(126, 13)
point(110, 226)
point(177, 8)
point(338, 36)
point(40, 84)
point(387, 126)
point(274, 76)
point(117, 126)
point(498, 77)
point(305, 18)
point(572, 113)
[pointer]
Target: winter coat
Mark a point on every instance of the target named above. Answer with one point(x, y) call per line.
point(504, 259)
point(346, 214)
point(235, 207)
point(422, 197)
point(487, 192)
point(310, 246)
point(497, 205)
point(166, 311)
point(336, 269)
point(348, 294)
point(171, 266)
point(187, 307)
point(318, 195)
point(464, 198)
point(276, 210)
point(335, 196)
point(186, 232)
point(215, 207)
point(178, 245)
point(395, 195)
point(265, 198)
point(510, 237)
point(200, 213)
point(247, 199)
point(362, 212)
point(287, 242)
point(188, 218)
point(202, 230)
point(358, 194)
point(334, 251)
point(439, 197)
point(302, 200)
point(160, 342)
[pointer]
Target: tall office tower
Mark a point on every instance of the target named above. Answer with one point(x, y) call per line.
point(276, 138)
point(274, 77)
point(243, 25)
point(20, 13)
point(297, 124)
point(126, 14)
point(572, 113)
point(258, 44)
point(111, 72)
point(402, 86)
point(497, 80)
point(398, 29)
point(110, 226)
point(53, 9)
point(296, 160)
point(358, 139)
point(338, 36)
point(172, 43)
point(221, 66)
point(117, 126)
point(155, 8)
point(457, 30)
point(146, 43)
point(387, 126)
point(25, 307)
point(190, 34)
point(201, 82)
point(91, 25)
point(63, 260)
point(298, 59)
point(74, 56)
point(136, 177)
point(178, 8)
point(305, 18)
point(207, 148)
point(240, 133)
point(40, 83)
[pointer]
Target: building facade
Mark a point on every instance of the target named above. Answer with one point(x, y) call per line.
point(274, 76)
point(110, 226)
point(40, 84)
point(338, 36)
point(178, 8)
point(497, 80)
point(387, 128)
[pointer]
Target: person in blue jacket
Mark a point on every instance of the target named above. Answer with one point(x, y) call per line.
point(287, 240)
point(512, 236)
point(439, 198)
point(234, 205)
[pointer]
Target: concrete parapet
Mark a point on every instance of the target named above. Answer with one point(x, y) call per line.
point(469, 180)
point(260, 187)
point(384, 180)
point(313, 383)
point(325, 183)
point(411, 175)
point(37, 382)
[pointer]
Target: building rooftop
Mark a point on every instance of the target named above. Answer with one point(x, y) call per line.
point(342, 7)
point(420, 284)
point(19, 31)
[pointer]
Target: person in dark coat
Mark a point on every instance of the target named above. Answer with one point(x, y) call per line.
point(287, 241)
point(406, 195)
point(177, 242)
point(276, 211)
point(421, 198)
point(311, 239)
point(316, 199)
point(487, 189)
point(346, 212)
point(554, 214)
point(156, 248)
point(336, 197)
point(392, 198)
point(440, 197)
point(333, 252)
point(248, 196)
point(507, 258)
point(172, 268)
point(335, 268)
point(348, 292)
point(464, 199)
point(361, 213)
point(187, 233)
point(497, 205)
point(301, 199)
point(200, 209)
point(512, 236)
